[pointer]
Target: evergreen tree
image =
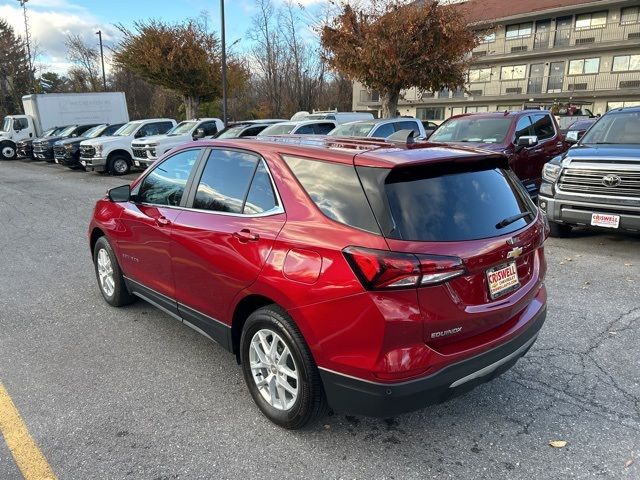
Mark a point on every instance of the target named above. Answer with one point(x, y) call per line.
point(15, 76)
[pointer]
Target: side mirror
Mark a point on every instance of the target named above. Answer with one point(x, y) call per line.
point(120, 194)
point(199, 134)
point(527, 141)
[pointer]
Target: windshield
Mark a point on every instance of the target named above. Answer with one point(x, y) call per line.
point(581, 125)
point(66, 132)
point(473, 129)
point(127, 129)
point(182, 128)
point(615, 129)
point(94, 132)
point(353, 129)
point(48, 133)
point(6, 125)
point(279, 129)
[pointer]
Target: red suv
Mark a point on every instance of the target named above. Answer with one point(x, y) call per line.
point(368, 276)
point(529, 139)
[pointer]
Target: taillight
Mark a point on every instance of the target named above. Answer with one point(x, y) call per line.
point(381, 269)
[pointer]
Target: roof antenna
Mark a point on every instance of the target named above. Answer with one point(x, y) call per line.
point(402, 137)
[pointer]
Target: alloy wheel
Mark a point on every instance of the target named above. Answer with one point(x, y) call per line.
point(274, 369)
point(120, 166)
point(105, 272)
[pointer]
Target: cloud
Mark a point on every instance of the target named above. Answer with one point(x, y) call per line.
point(50, 22)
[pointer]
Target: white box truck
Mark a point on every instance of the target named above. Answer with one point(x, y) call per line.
point(45, 111)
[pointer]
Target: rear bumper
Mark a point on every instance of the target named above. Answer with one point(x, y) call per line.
point(352, 395)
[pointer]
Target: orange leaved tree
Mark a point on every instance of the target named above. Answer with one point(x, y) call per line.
point(392, 45)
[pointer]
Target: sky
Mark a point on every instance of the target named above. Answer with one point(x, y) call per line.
point(51, 20)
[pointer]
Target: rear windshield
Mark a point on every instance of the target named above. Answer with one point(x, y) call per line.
point(473, 129)
point(455, 204)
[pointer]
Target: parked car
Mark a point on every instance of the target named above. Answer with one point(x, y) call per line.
point(113, 154)
point(338, 117)
point(303, 127)
point(43, 148)
point(44, 111)
point(147, 150)
point(429, 127)
point(529, 138)
point(380, 128)
point(577, 129)
point(24, 148)
point(67, 152)
point(596, 183)
point(411, 276)
point(249, 128)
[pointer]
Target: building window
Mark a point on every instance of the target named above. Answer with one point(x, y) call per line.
point(613, 105)
point(584, 66)
point(626, 63)
point(482, 108)
point(488, 38)
point(479, 75)
point(591, 20)
point(630, 15)
point(509, 108)
point(520, 30)
point(430, 113)
point(513, 72)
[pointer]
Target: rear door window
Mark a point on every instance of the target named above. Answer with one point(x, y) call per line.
point(455, 203)
point(383, 131)
point(324, 128)
point(408, 125)
point(336, 191)
point(543, 126)
point(305, 130)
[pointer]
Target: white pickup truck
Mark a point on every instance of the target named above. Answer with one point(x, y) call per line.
point(113, 154)
point(148, 149)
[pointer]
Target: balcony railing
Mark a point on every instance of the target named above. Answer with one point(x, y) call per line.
point(560, 38)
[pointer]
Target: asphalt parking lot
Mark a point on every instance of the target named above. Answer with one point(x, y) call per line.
point(131, 393)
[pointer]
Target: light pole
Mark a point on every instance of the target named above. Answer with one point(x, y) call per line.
point(27, 36)
point(104, 78)
point(224, 66)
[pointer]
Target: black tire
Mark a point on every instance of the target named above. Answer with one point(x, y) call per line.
point(559, 230)
point(8, 151)
point(310, 402)
point(119, 160)
point(120, 295)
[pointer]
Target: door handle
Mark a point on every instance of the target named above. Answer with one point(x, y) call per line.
point(163, 221)
point(245, 235)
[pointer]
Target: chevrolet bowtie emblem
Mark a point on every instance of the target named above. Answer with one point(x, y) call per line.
point(515, 253)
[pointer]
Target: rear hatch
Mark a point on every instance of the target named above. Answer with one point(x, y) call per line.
point(478, 239)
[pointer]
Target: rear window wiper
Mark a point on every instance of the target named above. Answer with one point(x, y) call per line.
point(511, 219)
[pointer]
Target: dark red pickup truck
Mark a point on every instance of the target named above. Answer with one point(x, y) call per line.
point(529, 139)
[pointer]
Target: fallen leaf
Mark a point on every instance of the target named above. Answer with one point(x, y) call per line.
point(628, 463)
point(561, 263)
point(628, 264)
point(558, 443)
point(569, 259)
point(613, 333)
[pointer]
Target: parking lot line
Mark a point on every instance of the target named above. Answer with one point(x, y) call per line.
point(25, 452)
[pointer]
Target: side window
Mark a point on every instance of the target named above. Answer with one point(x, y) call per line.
point(80, 130)
point(20, 123)
point(210, 128)
point(225, 181)
point(324, 128)
point(305, 130)
point(543, 126)
point(524, 128)
point(252, 132)
point(163, 127)
point(342, 199)
point(166, 183)
point(261, 197)
point(383, 131)
point(408, 125)
point(111, 129)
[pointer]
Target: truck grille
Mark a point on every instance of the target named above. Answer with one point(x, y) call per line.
point(58, 151)
point(87, 151)
point(39, 148)
point(613, 183)
point(139, 152)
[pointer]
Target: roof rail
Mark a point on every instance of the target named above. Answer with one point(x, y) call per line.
point(343, 143)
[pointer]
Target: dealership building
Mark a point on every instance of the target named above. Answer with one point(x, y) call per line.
point(554, 54)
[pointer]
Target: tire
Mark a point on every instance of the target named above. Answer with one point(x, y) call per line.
point(8, 151)
point(559, 230)
point(119, 165)
point(290, 411)
point(104, 260)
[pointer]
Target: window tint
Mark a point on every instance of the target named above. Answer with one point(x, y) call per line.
point(111, 129)
point(543, 126)
point(408, 125)
point(524, 128)
point(383, 131)
point(20, 123)
point(261, 197)
point(210, 128)
point(336, 191)
point(305, 130)
point(253, 131)
point(225, 181)
point(454, 203)
point(165, 184)
point(324, 128)
point(83, 128)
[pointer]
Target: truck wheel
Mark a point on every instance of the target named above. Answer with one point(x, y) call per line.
point(279, 370)
point(7, 151)
point(559, 230)
point(119, 165)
